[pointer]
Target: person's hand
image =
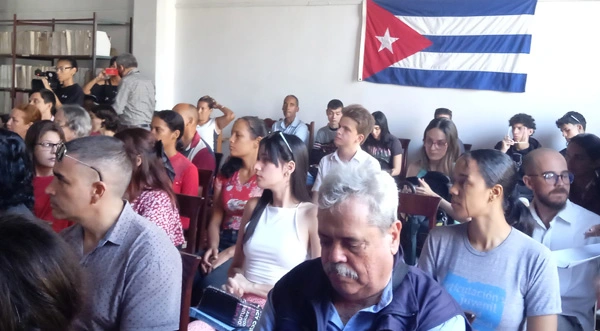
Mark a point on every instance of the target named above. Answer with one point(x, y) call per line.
point(217, 105)
point(210, 256)
point(424, 189)
point(45, 82)
point(594, 231)
point(506, 143)
point(237, 285)
point(101, 76)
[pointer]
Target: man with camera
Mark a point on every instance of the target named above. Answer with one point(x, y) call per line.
point(67, 92)
point(135, 100)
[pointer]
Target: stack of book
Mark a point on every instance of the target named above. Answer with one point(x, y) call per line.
point(65, 42)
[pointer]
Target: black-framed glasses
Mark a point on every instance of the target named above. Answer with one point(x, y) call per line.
point(48, 145)
point(552, 178)
point(61, 152)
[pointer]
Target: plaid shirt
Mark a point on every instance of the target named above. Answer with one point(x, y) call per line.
point(135, 100)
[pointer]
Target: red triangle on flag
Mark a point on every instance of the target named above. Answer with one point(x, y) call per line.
point(387, 40)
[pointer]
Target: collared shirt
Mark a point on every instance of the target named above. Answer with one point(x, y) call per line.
point(135, 100)
point(567, 230)
point(333, 160)
point(297, 128)
point(362, 320)
point(133, 277)
point(200, 154)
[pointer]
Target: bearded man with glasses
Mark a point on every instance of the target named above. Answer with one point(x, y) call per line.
point(561, 224)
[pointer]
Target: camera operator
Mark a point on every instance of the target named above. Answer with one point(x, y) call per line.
point(68, 92)
point(104, 87)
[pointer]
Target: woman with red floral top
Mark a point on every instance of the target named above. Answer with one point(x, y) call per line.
point(234, 186)
point(42, 139)
point(150, 192)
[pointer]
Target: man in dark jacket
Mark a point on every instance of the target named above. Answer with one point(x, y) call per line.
point(361, 281)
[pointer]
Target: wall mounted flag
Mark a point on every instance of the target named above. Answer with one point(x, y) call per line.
point(466, 44)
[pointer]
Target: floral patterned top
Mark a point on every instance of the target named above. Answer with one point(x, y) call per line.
point(234, 196)
point(158, 208)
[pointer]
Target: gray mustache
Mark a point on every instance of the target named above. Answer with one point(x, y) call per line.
point(341, 270)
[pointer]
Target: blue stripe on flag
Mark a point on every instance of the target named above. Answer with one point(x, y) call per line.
point(480, 80)
point(519, 43)
point(433, 8)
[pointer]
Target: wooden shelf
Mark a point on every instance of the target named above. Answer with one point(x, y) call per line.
point(54, 57)
point(26, 90)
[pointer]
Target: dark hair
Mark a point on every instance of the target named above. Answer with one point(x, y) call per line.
point(571, 117)
point(48, 97)
point(524, 119)
point(112, 61)
point(40, 278)
point(175, 123)
point(442, 111)
point(108, 114)
point(498, 168)
point(452, 153)
point(292, 96)
point(151, 174)
point(590, 144)
point(209, 100)
point(36, 131)
point(276, 151)
point(16, 172)
point(71, 60)
point(257, 128)
point(335, 104)
point(382, 122)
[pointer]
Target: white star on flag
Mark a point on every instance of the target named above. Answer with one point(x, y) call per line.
point(386, 41)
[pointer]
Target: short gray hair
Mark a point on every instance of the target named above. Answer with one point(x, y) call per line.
point(376, 188)
point(127, 60)
point(78, 120)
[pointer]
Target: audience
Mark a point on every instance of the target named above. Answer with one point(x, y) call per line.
point(133, 270)
point(447, 114)
point(279, 230)
point(324, 139)
point(361, 281)
point(22, 118)
point(74, 121)
point(135, 100)
point(561, 224)
point(149, 192)
point(355, 125)
point(384, 146)
point(290, 124)
point(234, 186)
point(583, 160)
point(196, 149)
point(16, 175)
point(209, 128)
point(571, 124)
point(45, 101)
point(68, 92)
point(104, 87)
point(167, 126)
point(40, 279)
point(105, 120)
point(42, 141)
point(467, 258)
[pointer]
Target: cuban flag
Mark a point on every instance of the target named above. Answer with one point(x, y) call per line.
point(465, 44)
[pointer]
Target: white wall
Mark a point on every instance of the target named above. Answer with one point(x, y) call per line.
point(249, 57)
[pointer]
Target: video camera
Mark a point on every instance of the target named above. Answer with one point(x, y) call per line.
point(52, 77)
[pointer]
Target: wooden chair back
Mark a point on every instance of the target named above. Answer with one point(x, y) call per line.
point(404, 142)
point(417, 204)
point(468, 147)
point(269, 123)
point(191, 207)
point(311, 134)
point(190, 264)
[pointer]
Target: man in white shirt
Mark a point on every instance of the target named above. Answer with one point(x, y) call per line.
point(291, 124)
point(355, 126)
point(561, 224)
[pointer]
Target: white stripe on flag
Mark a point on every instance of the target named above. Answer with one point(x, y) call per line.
point(492, 62)
point(469, 26)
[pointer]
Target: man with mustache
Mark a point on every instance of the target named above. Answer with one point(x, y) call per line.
point(561, 224)
point(361, 281)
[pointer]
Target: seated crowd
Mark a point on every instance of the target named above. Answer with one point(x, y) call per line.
point(309, 233)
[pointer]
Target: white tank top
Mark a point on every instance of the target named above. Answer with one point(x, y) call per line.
point(207, 131)
point(275, 247)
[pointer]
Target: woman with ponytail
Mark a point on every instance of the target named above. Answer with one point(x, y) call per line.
point(167, 126)
point(501, 275)
point(149, 192)
point(279, 229)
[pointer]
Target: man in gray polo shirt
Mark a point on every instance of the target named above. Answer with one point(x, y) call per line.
point(133, 269)
point(135, 100)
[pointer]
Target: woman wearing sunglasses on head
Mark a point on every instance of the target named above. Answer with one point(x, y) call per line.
point(42, 140)
point(279, 230)
point(68, 92)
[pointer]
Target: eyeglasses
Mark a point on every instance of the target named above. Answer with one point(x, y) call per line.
point(552, 178)
point(438, 144)
point(284, 140)
point(61, 152)
point(47, 145)
point(60, 69)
